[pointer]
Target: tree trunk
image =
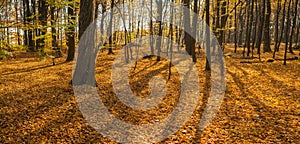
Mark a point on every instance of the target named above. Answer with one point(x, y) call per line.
point(255, 28)
point(242, 23)
point(294, 26)
point(235, 28)
point(261, 25)
point(247, 41)
point(30, 32)
point(286, 32)
point(282, 25)
point(187, 27)
point(159, 21)
point(151, 28)
point(25, 36)
point(43, 20)
point(17, 21)
point(86, 50)
point(171, 44)
point(250, 27)
point(267, 39)
point(70, 34)
point(110, 51)
point(297, 34)
point(276, 48)
point(224, 17)
point(207, 36)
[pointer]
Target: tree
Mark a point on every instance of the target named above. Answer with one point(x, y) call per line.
point(294, 26)
point(53, 27)
point(151, 28)
point(86, 50)
point(235, 28)
point(207, 36)
point(249, 25)
point(194, 25)
point(28, 20)
point(171, 37)
point(262, 6)
point(159, 23)
point(187, 27)
point(43, 7)
point(286, 32)
point(71, 32)
point(267, 39)
point(110, 30)
point(276, 47)
point(282, 26)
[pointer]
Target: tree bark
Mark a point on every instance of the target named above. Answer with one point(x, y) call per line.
point(193, 40)
point(110, 51)
point(242, 23)
point(286, 32)
point(187, 27)
point(261, 25)
point(86, 50)
point(276, 48)
point(255, 29)
point(159, 22)
point(207, 36)
point(43, 22)
point(294, 26)
point(267, 39)
point(235, 28)
point(28, 20)
point(70, 34)
point(282, 25)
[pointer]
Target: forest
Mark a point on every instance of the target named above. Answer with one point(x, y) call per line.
point(149, 71)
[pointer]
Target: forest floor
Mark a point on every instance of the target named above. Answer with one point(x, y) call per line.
point(261, 104)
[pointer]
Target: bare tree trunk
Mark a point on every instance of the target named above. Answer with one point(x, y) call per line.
point(255, 28)
point(224, 17)
point(282, 25)
point(53, 30)
point(30, 32)
point(250, 27)
point(286, 32)
point(86, 50)
point(294, 25)
point(187, 27)
point(42, 21)
point(216, 22)
point(36, 30)
point(151, 28)
point(25, 36)
point(7, 28)
point(247, 41)
point(171, 37)
point(276, 48)
point(193, 40)
point(17, 21)
point(242, 23)
point(267, 39)
point(70, 34)
point(235, 28)
point(207, 36)
point(159, 21)
point(261, 25)
point(110, 51)
point(297, 34)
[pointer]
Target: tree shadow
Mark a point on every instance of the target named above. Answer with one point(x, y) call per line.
point(268, 117)
point(33, 69)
